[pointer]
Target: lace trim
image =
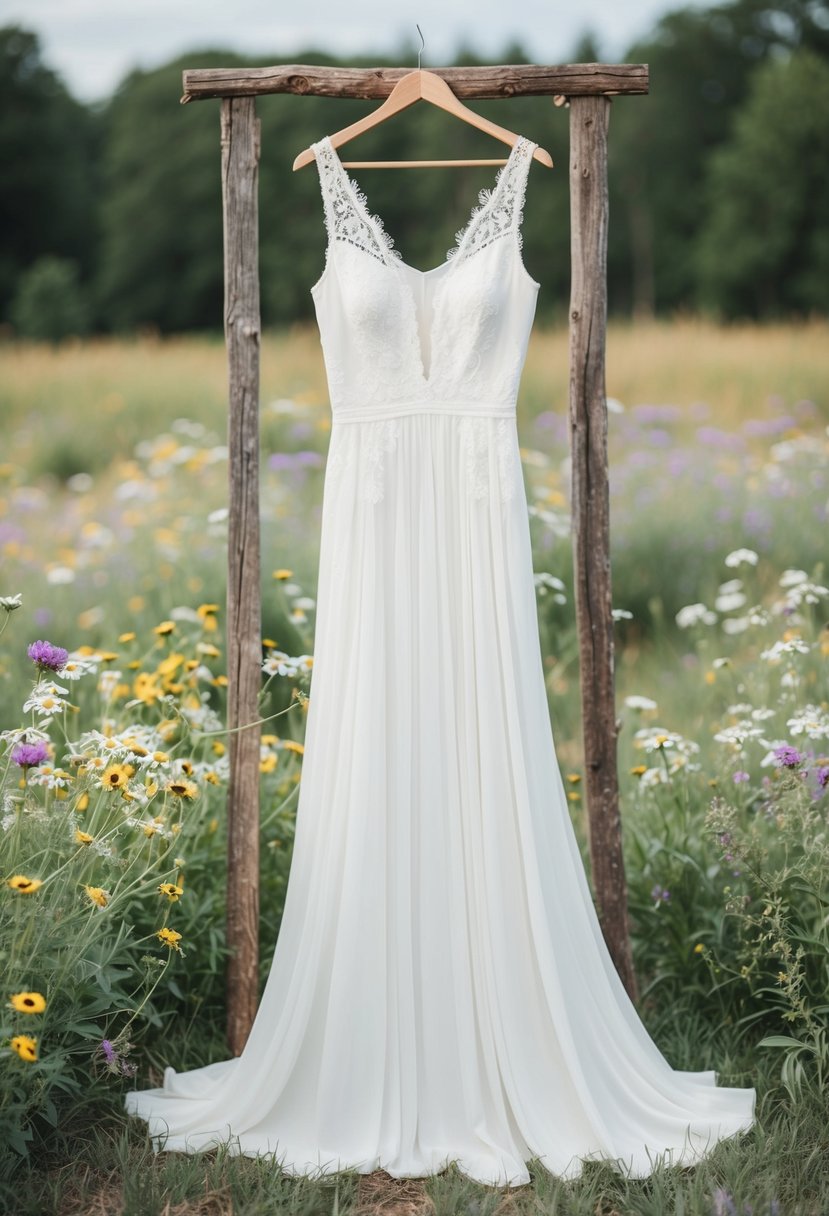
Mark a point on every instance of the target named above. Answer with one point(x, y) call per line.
point(348, 216)
point(500, 209)
point(478, 438)
point(344, 221)
point(377, 439)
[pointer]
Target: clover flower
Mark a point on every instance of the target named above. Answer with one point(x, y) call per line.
point(47, 656)
point(29, 754)
point(788, 756)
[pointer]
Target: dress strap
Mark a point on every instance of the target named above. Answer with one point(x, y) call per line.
point(500, 210)
point(347, 217)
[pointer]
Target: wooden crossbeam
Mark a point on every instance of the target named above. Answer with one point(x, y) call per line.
point(373, 84)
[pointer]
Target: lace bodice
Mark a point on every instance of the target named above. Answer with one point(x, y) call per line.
point(395, 338)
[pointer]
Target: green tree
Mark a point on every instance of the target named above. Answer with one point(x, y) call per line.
point(701, 63)
point(50, 303)
point(764, 246)
point(48, 147)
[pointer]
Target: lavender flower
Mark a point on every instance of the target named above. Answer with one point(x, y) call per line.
point(788, 756)
point(108, 1050)
point(739, 777)
point(28, 754)
point(822, 776)
point(47, 656)
point(724, 1204)
point(659, 892)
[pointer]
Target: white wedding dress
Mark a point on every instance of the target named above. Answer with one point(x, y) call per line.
point(440, 988)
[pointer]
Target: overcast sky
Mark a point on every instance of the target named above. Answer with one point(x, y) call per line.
point(93, 44)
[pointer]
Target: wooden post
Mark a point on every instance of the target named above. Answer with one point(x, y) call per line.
point(590, 497)
point(240, 138)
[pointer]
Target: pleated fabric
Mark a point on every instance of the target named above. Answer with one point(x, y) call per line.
point(440, 989)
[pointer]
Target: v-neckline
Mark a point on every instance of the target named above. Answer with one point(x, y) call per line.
point(392, 257)
point(387, 242)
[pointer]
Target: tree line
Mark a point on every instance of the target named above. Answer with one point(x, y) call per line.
point(111, 217)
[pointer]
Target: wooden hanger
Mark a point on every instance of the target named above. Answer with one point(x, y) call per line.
point(420, 85)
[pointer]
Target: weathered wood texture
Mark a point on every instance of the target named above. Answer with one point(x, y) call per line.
point(517, 80)
point(240, 141)
point(589, 118)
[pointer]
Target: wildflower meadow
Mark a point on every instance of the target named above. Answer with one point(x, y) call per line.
point(113, 743)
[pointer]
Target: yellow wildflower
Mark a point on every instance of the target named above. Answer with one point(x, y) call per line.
point(291, 745)
point(19, 882)
point(98, 895)
point(83, 837)
point(638, 770)
point(145, 687)
point(82, 802)
point(165, 628)
point(171, 890)
point(574, 778)
point(126, 637)
point(169, 937)
point(25, 1046)
point(116, 776)
point(282, 574)
point(170, 664)
point(28, 1002)
point(182, 789)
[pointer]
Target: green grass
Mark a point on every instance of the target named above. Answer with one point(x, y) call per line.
point(105, 1166)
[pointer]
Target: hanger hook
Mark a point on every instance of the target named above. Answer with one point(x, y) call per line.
point(422, 44)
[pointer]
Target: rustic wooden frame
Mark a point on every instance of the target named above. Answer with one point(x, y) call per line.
point(588, 88)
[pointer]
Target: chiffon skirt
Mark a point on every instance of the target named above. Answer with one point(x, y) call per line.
point(440, 989)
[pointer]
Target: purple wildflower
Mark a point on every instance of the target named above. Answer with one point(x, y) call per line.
point(27, 754)
point(47, 656)
point(740, 776)
point(659, 892)
point(723, 1203)
point(788, 756)
point(822, 776)
point(108, 1050)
